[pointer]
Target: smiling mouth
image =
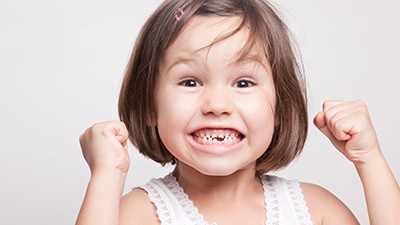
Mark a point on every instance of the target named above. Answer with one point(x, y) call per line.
point(217, 136)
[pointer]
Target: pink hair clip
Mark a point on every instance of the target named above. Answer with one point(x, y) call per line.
point(178, 14)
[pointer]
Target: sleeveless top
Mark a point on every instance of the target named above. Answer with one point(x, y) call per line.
point(285, 204)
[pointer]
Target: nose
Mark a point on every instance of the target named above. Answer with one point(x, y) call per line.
point(216, 101)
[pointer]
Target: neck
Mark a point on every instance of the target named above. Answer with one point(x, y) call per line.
point(236, 184)
point(219, 197)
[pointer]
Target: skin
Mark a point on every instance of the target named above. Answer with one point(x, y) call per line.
point(202, 89)
point(348, 126)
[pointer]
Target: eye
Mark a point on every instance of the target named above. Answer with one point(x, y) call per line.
point(189, 82)
point(244, 83)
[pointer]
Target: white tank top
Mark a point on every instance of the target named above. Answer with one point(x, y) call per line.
point(284, 201)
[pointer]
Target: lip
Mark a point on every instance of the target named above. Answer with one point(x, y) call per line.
point(216, 148)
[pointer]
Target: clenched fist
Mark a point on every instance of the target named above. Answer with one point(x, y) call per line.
point(104, 147)
point(348, 126)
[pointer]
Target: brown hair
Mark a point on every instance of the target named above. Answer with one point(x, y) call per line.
point(137, 101)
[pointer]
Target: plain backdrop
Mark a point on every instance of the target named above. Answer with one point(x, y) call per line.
point(61, 65)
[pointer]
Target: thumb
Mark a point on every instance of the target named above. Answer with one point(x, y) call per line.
point(121, 133)
point(319, 122)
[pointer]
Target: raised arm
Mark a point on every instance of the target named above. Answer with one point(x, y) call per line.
point(104, 149)
point(348, 126)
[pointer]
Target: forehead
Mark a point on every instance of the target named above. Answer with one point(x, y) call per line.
point(203, 34)
point(202, 31)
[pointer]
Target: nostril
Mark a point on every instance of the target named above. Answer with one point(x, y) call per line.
point(216, 101)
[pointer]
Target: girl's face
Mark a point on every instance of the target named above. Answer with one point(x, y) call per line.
point(215, 110)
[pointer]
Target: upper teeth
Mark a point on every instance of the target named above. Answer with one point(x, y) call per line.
point(214, 136)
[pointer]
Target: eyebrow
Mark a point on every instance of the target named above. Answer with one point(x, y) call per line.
point(249, 58)
point(180, 60)
point(253, 58)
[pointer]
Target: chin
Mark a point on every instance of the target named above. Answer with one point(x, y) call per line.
point(217, 173)
point(218, 170)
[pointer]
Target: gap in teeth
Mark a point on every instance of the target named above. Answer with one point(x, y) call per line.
point(213, 136)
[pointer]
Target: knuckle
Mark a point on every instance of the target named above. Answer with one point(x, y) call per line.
point(325, 105)
point(334, 123)
point(359, 102)
point(81, 137)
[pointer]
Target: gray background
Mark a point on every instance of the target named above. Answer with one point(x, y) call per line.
point(61, 65)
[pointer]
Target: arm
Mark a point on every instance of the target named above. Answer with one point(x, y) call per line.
point(349, 128)
point(104, 149)
point(325, 208)
point(381, 191)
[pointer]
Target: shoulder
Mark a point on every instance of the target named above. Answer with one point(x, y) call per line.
point(136, 208)
point(324, 207)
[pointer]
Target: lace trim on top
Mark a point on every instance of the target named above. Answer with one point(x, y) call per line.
point(191, 211)
point(163, 213)
point(296, 196)
point(272, 201)
point(162, 210)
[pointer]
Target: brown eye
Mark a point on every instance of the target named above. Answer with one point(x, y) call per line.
point(189, 83)
point(244, 84)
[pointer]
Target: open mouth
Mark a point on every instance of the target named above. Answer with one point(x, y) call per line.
point(217, 136)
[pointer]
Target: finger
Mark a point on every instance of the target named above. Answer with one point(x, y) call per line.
point(340, 126)
point(340, 118)
point(333, 107)
point(122, 134)
point(320, 123)
point(332, 104)
point(119, 129)
point(114, 131)
point(114, 128)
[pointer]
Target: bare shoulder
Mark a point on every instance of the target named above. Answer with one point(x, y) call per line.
point(325, 208)
point(136, 208)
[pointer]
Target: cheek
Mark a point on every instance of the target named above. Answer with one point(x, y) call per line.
point(166, 121)
point(173, 111)
point(165, 111)
point(261, 107)
point(261, 118)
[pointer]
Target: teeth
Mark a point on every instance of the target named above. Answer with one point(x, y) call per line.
point(217, 136)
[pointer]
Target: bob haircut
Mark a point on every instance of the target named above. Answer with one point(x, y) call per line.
point(137, 107)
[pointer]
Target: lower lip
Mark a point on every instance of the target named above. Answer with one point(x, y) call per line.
point(215, 149)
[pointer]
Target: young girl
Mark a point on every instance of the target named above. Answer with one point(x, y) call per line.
point(213, 86)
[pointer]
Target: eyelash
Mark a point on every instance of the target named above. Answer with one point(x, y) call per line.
point(191, 82)
point(244, 83)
